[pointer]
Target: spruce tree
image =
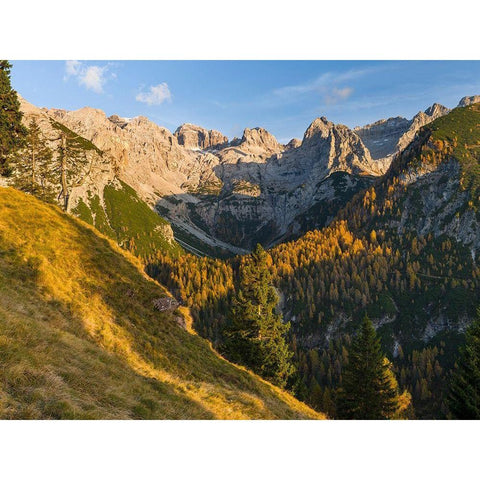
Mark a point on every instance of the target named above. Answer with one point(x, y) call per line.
point(256, 334)
point(12, 132)
point(464, 395)
point(367, 391)
point(32, 166)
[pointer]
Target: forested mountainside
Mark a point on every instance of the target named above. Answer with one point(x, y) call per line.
point(84, 333)
point(404, 251)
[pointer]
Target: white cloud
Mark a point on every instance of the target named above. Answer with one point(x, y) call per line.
point(72, 67)
point(91, 77)
point(156, 95)
point(337, 95)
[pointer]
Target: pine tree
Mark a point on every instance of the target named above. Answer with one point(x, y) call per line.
point(71, 164)
point(464, 395)
point(367, 391)
point(12, 132)
point(256, 334)
point(32, 166)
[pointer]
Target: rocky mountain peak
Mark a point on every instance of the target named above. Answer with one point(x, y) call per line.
point(437, 110)
point(466, 101)
point(320, 126)
point(194, 137)
point(118, 121)
point(293, 143)
point(259, 138)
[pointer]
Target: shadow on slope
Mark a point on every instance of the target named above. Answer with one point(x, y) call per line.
point(81, 337)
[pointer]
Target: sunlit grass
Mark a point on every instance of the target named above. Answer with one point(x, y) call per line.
point(79, 337)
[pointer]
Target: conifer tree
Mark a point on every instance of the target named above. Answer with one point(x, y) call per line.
point(464, 395)
point(367, 391)
point(256, 334)
point(12, 132)
point(32, 166)
point(71, 164)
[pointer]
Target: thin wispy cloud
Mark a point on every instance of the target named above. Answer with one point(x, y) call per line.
point(156, 95)
point(92, 77)
point(321, 84)
point(330, 87)
point(338, 95)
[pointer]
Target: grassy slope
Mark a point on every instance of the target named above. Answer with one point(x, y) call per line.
point(79, 337)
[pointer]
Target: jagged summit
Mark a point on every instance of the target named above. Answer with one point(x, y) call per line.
point(320, 125)
point(196, 137)
point(387, 137)
point(293, 143)
point(119, 121)
point(259, 138)
point(466, 101)
point(436, 110)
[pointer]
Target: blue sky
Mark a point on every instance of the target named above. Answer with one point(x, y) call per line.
point(281, 96)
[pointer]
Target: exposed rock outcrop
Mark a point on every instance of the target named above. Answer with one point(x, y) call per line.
point(385, 138)
point(466, 101)
point(293, 143)
point(198, 138)
point(381, 137)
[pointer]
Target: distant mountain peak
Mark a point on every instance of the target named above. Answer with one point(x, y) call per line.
point(466, 101)
point(436, 110)
point(195, 137)
point(258, 137)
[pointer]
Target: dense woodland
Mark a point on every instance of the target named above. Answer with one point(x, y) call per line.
point(330, 276)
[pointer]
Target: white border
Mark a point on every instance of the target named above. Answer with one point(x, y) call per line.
point(238, 450)
point(250, 29)
point(247, 29)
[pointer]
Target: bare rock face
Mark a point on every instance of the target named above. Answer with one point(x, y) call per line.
point(230, 195)
point(385, 138)
point(293, 143)
point(265, 185)
point(198, 138)
point(466, 101)
point(381, 137)
point(418, 121)
point(258, 140)
point(338, 148)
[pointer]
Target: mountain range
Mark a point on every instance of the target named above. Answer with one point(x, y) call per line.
point(222, 197)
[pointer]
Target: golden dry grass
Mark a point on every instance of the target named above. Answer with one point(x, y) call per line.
point(79, 337)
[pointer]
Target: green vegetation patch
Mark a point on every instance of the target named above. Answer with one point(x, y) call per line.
point(136, 226)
